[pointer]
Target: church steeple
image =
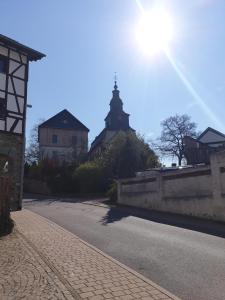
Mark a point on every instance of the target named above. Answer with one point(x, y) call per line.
point(116, 103)
point(115, 85)
point(116, 119)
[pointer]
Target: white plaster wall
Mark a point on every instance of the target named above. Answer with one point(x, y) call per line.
point(3, 51)
point(188, 187)
point(201, 196)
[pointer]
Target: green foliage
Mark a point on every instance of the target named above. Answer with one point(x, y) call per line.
point(58, 178)
point(126, 155)
point(112, 192)
point(90, 177)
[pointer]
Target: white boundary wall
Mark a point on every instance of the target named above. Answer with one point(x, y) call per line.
point(198, 191)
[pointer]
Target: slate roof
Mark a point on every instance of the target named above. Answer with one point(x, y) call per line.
point(31, 53)
point(64, 120)
point(212, 130)
point(122, 113)
point(98, 139)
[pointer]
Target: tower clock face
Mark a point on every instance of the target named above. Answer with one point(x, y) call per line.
point(13, 86)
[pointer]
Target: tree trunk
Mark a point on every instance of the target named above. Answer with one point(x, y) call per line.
point(179, 161)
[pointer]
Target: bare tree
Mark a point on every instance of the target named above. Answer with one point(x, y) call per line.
point(32, 153)
point(174, 129)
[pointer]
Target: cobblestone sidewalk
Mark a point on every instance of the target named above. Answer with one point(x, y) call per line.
point(41, 260)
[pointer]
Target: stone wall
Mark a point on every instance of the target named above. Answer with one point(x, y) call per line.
point(197, 191)
point(5, 222)
point(13, 147)
point(36, 187)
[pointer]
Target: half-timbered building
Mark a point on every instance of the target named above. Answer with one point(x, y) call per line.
point(14, 65)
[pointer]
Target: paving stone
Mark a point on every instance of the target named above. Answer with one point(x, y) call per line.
point(44, 261)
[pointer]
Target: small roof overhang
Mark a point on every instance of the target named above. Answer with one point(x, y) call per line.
point(32, 54)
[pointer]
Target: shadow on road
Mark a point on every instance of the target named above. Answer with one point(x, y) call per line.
point(32, 198)
point(115, 214)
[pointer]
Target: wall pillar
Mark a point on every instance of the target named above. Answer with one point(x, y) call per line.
point(218, 205)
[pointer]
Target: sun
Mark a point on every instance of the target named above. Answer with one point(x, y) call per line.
point(154, 31)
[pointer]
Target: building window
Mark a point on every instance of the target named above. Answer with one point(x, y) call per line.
point(54, 139)
point(3, 63)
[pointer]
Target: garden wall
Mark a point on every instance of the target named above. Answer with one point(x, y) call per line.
point(197, 191)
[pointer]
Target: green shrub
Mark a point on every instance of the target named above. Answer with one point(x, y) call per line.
point(90, 178)
point(112, 192)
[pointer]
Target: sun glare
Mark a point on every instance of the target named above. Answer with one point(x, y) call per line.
point(154, 31)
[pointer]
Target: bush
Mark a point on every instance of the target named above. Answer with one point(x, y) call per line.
point(90, 178)
point(127, 154)
point(112, 192)
point(58, 178)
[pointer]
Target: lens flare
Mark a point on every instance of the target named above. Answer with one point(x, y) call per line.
point(154, 31)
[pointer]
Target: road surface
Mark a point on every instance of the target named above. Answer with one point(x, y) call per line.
point(189, 263)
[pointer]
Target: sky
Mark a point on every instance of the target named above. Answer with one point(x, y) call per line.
point(86, 41)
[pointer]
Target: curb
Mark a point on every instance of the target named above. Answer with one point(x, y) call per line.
point(162, 290)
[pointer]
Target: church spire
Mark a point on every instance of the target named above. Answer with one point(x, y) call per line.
point(116, 119)
point(116, 103)
point(115, 81)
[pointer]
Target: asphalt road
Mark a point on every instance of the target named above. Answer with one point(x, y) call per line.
point(185, 256)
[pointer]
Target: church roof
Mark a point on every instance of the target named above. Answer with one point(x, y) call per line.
point(64, 120)
point(98, 139)
point(122, 112)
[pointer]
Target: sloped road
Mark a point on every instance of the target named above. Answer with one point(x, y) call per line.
point(189, 263)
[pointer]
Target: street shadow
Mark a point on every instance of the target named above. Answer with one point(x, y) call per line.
point(117, 213)
point(32, 198)
point(114, 214)
point(29, 198)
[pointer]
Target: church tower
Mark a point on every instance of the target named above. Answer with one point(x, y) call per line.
point(116, 121)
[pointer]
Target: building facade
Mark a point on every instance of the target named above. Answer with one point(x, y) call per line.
point(14, 64)
point(62, 138)
point(116, 121)
point(198, 150)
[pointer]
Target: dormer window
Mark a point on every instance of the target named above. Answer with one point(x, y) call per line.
point(3, 64)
